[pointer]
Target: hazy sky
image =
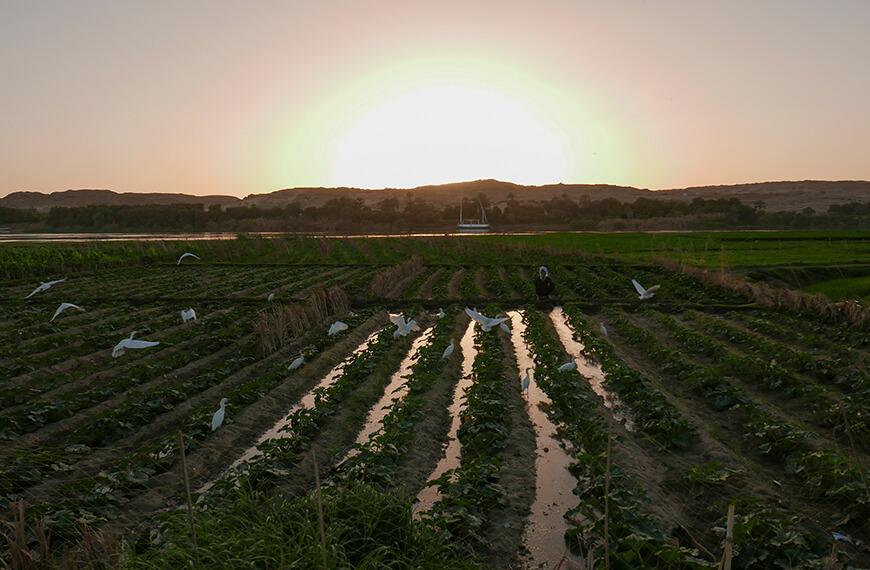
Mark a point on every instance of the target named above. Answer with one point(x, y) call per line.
point(231, 97)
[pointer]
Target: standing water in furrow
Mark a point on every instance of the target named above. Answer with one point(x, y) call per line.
point(545, 533)
point(396, 390)
point(430, 495)
point(307, 401)
point(589, 370)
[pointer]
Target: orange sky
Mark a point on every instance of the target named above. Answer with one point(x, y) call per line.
point(220, 97)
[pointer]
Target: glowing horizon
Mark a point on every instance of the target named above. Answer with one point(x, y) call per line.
point(240, 100)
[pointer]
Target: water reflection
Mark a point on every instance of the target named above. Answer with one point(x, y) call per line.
point(544, 536)
point(430, 495)
point(590, 370)
point(307, 401)
point(396, 390)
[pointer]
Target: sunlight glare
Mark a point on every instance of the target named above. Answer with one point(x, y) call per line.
point(446, 134)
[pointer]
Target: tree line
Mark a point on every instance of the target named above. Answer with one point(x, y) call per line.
point(346, 215)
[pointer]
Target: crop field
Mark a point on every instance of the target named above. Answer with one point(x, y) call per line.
point(379, 449)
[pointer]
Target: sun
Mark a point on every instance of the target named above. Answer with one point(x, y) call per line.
point(444, 134)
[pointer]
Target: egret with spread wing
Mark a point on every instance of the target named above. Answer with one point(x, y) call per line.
point(63, 307)
point(130, 343)
point(43, 285)
point(486, 322)
point(645, 293)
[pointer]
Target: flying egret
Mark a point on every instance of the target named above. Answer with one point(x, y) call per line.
point(486, 322)
point(569, 365)
point(526, 380)
point(644, 293)
point(603, 329)
point(505, 328)
point(183, 255)
point(130, 343)
point(403, 326)
point(43, 285)
point(188, 315)
point(64, 306)
point(218, 418)
point(449, 350)
point(296, 363)
point(336, 327)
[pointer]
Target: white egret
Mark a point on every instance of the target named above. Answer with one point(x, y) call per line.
point(130, 343)
point(486, 322)
point(526, 380)
point(296, 363)
point(270, 297)
point(440, 313)
point(403, 326)
point(569, 365)
point(43, 285)
point(218, 418)
point(183, 255)
point(504, 327)
point(336, 327)
point(187, 315)
point(644, 293)
point(63, 307)
point(449, 350)
point(603, 329)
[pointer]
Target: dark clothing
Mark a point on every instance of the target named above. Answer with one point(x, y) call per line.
point(544, 286)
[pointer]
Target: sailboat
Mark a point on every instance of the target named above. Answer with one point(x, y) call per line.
point(473, 225)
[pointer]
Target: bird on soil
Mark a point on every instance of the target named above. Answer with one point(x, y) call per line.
point(449, 350)
point(183, 255)
point(526, 380)
point(336, 327)
point(486, 322)
point(644, 293)
point(187, 315)
point(569, 365)
point(218, 418)
point(296, 363)
point(43, 285)
point(130, 343)
point(63, 307)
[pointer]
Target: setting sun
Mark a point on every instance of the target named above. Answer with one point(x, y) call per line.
point(446, 134)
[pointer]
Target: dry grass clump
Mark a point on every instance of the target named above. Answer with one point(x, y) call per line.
point(385, 281)
point(288, 322)
point(798, 301)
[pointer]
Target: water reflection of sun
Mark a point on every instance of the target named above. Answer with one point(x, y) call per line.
point(445, 134)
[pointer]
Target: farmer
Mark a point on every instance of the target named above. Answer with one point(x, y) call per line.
point(544, 286)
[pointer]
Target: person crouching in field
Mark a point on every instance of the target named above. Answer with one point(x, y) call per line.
point(544, 286)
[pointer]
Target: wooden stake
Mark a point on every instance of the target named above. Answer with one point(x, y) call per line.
point(854, 451)
point(729, 540)
point(187, 492)
point(319, 509)
point(607, 508)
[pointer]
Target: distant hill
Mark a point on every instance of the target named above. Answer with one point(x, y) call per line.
point(43, 202)
point(777, 196)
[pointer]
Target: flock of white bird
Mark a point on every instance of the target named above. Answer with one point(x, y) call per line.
point(403, 328)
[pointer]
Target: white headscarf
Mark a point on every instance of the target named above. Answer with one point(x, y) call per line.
point(544, 270)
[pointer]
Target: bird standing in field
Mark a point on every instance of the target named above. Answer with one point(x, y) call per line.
point(644, 293)
point(526, 380)
point(183, 255)
point(603, 329)
point(63, 307)
point(187, 315)
point(296, 363)
point(449, 350)
point(218, 418)
point(130, 343)
point(270, 297)
point(43, 285)
point(569, 365)
point(440, 313)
